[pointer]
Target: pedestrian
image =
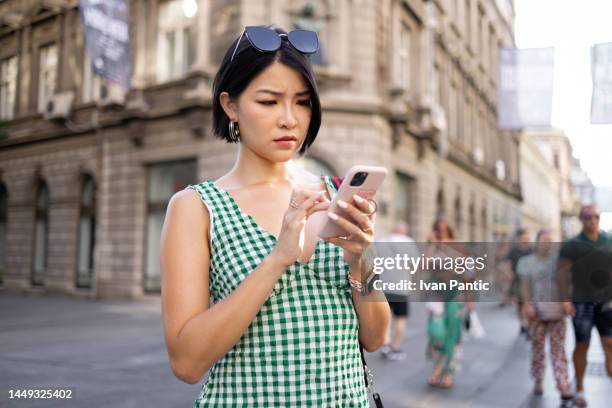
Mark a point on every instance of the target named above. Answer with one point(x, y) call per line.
point(537, 272)
point(398, 242)
point(522, 247)
point(281, 327)
point(581, 257)
point(446, 312)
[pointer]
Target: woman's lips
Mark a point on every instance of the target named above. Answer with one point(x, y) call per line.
point(285, 143)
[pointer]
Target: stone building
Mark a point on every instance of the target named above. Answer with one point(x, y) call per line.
point(575, 187)
point(541, 184)
point(84, 180)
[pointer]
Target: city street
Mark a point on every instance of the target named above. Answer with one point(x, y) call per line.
point(111, 354)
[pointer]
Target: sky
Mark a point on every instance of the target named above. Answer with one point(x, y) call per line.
point(572, 27)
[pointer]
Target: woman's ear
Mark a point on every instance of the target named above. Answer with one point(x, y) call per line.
point(229, 106)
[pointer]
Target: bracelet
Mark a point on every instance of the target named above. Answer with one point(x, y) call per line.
point(355, 283)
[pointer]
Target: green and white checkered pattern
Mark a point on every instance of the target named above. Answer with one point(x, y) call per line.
point(302, 348)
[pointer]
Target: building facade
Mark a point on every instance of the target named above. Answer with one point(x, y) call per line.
point(575, 187)
point(86, 168)
point(541, 183)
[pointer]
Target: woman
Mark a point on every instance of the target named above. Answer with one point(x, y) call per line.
point(537, 272)
point(285, 323)
point(445, 315)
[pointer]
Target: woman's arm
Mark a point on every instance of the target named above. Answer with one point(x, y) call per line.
point(196, 334)
point(374, 315)
point(372, 309)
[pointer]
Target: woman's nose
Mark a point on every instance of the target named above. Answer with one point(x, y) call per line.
point(287, 119)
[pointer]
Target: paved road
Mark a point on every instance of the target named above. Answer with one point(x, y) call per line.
point(111, 354)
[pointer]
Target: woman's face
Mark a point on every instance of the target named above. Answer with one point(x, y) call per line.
point(273, 113)
point(442, 230)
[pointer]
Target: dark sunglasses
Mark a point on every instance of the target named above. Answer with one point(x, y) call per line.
point(589, 217)
point(265, 39)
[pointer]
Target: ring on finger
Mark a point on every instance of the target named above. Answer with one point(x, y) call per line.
point(372, 201)
point(368, 229)
point(293, 203)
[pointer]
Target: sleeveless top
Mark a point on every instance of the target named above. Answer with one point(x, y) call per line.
point(302, 348)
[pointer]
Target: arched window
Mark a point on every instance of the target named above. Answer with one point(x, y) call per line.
point(87, 229)
point(41, 233)
point(3, 228)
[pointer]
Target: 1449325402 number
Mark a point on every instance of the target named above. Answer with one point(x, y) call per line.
point(40, 394)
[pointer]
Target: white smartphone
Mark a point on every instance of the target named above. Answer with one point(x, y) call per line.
point(361, 180)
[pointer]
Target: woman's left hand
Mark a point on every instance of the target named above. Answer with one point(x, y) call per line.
point(361, 232)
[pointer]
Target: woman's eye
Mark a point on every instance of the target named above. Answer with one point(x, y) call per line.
point(305, 102)
point(267, 102)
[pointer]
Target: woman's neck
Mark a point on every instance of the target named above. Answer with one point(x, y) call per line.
point(250, 169)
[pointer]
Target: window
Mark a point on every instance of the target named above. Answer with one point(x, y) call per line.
point(404, 198)
point(164, 179)
point(484, 222)
point(41, 232)
point(440, 202)
point(480, 32)
point(87, 230)
point(175, 40)
point(3, 229)
point(468, 22)
point(404, 57)
point(473, 227)
point(452, 110)
point(8, 88)
point(436, 86)
point(47, 75)
point(92, 82)
point(468, 136)
point(459, 103)
point(458, 215)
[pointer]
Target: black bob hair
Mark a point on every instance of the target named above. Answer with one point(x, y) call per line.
point(234, 76)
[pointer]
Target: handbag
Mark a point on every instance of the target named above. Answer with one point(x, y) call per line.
point(368, 376)
point(549, 311)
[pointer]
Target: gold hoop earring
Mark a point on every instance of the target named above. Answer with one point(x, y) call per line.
point(234, 131)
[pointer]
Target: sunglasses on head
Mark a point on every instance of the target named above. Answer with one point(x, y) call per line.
point(265, 39)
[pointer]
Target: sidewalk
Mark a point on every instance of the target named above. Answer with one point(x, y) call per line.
point(112, 354)
point(494, 371)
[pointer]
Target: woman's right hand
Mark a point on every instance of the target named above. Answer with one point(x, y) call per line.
point(291, 238)
point(529, 311)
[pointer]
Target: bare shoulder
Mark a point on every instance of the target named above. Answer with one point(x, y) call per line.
point(187, 205)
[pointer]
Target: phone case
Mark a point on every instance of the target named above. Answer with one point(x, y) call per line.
point(367, 190)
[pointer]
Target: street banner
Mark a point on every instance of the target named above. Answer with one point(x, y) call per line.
point(105, 24)
point(525, 87)
point(601, 69)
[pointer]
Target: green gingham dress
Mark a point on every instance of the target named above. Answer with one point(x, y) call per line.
point(302, 348)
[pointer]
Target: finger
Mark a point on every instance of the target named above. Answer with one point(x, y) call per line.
point(346, 224)
point(362, 219)
point(321, 206)
point(310, 201)
point(363, 204)
point(298, 196)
